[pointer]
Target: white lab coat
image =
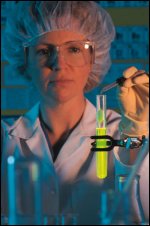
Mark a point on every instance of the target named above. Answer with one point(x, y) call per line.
point(74, 171)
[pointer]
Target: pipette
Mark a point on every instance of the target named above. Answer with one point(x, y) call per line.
point(120, 82)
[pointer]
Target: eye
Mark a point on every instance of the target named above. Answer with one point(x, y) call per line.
point(42, 52)
point(74, 50)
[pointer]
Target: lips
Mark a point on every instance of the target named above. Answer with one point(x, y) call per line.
point(59, 81)
point(54, 82)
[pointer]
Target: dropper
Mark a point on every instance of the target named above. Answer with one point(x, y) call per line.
point(120, 81)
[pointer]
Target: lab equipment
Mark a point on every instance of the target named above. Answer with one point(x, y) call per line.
point(106, 203)
point(124, 208)
point(101, 157)
point(128, 183)
point(124, 214)
point(11, 191)
point(68, 219)
point(136, 194)
point(24, 189)
point(33, 197)
point(128, 143)
point(119, 82)
point(4, 220)
point(134, 198)
point(101, 139)
point(61, 219)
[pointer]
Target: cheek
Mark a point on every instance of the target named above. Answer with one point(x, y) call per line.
point(35, 72)
point(83, 75)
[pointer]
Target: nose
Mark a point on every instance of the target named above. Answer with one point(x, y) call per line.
point(59, 62)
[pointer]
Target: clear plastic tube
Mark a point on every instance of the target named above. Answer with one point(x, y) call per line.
point(11, 191)
point(102, 156)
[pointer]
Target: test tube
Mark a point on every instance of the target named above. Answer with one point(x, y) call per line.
point(102, 156)
point(125, 206)
point(11, 191)
point(28, 191)
point(137, 198)
point(35, 177)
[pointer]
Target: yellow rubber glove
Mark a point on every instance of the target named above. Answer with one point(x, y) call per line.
point(133, 99)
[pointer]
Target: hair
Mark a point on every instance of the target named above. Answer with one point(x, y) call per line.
point(31, 19)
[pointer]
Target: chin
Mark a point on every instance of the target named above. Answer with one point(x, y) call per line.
point(60, 97)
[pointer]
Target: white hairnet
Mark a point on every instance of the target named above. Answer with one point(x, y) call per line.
point(31, 19)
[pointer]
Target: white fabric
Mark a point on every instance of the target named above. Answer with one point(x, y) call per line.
point(77, 145)
point(75, 168)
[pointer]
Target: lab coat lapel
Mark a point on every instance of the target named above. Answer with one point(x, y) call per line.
point(77, 148)
point(38, 145)
point(28, 129)
point(26, 125)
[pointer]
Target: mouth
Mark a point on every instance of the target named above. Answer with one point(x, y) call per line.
point(57, 82)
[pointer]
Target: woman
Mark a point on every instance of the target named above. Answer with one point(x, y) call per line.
point(63, 48)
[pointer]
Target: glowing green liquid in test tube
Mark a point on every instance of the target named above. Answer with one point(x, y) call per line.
point(101, 156)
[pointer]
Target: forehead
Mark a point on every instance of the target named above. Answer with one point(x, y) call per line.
point(58, 37)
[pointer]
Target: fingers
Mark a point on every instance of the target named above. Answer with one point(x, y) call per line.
point(129, 72)
point(134, 77)
point(143, 79)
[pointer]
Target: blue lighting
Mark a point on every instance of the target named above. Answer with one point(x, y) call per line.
point(11, 160)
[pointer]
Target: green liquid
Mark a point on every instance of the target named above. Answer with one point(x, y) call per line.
point(101, 156)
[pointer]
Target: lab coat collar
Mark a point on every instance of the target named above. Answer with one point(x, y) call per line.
point(27, 124)
point(28, 127)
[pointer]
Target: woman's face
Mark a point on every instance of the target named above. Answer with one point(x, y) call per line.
point(59, 75)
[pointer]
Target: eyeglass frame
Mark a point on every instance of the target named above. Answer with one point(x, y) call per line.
point(58, 46)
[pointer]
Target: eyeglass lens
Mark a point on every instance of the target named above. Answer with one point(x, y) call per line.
point(74, 53)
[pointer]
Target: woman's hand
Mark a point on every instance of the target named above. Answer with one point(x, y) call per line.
point(133, 99)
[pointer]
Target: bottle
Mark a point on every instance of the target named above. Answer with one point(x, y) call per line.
point(137, 200)
point(131, 200)
point(106, 204)
point(24, 191)
point(125, 210)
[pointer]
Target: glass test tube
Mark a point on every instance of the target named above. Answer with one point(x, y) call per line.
point(28, 179)
point(11, 191)
point(124, 208)
point(24, 193)
point(135, 191)
point(102, 156)
point(35, 175)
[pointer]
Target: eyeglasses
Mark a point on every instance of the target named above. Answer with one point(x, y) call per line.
point(75, 53)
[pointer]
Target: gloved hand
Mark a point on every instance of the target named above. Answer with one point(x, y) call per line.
point(133, 99)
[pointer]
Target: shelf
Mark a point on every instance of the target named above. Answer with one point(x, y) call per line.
point(13, 112)
point(130, 16)
point(14, 87)
point(126, 61)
